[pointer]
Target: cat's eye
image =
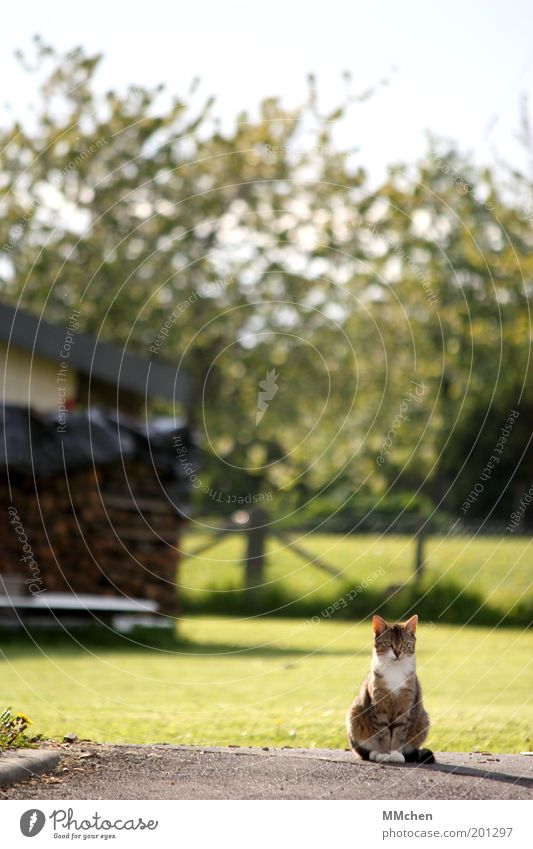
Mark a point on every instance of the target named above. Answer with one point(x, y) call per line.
point(410, 644)
point(386, 643)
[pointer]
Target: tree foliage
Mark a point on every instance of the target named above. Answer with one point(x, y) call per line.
point(264, 246)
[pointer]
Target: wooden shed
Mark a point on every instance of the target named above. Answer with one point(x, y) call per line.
point(93, 494)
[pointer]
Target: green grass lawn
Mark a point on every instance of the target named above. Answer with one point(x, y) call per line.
point(270, 682)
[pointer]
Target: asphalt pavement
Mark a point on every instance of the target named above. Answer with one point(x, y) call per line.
point(102, 771)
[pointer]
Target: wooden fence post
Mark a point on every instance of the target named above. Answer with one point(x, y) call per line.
point(420, 564)
point(256, 534)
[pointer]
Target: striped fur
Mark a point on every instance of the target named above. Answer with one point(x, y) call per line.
point(387, 722)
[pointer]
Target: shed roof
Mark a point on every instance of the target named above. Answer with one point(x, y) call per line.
point(98, 359)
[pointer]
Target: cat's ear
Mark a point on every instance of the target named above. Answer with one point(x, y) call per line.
point(379, 625)
point(411, 624)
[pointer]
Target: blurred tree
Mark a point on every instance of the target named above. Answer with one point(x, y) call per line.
point(453, 265)
point(259, 252)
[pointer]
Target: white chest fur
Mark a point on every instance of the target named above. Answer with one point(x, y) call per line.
point(394, 673)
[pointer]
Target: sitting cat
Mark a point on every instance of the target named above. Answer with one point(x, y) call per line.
point(387, 722)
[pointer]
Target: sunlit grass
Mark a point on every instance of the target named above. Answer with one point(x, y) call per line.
point(272, 682)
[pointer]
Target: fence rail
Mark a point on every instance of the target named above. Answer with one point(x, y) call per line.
point(257, 530)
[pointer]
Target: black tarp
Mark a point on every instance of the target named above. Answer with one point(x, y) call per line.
point(42, 444)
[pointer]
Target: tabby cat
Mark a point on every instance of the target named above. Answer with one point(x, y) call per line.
point(387, 722)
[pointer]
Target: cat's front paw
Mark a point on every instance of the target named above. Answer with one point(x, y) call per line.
point(387, 757)
point(379, 757)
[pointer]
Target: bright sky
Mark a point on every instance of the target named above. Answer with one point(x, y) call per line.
point(461, 65)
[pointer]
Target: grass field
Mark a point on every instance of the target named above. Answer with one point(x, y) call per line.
point(270, 682)
point(495, 572)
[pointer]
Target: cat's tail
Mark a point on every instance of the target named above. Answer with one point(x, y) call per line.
point(420, 756)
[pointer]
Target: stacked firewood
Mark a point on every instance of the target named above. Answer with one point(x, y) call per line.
point(111, 531)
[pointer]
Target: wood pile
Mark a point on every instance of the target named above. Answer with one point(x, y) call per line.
point(110, 531)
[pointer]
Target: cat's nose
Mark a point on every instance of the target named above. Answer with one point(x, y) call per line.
point(397, 652)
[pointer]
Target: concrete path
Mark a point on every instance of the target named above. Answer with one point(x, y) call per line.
point(20, 764)
point(101, 771)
